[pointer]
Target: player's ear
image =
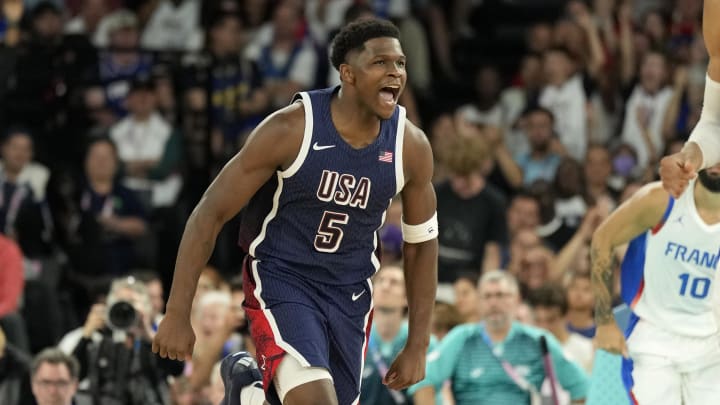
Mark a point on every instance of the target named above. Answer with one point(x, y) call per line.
point(346, 74)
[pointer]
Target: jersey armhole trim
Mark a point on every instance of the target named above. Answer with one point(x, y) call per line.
point(656, 228)
point(399, 144)
point(303, 98)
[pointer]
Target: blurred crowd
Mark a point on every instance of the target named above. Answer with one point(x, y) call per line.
point(116, 115)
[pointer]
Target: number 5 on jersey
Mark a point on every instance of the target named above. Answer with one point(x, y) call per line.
point(330, 234)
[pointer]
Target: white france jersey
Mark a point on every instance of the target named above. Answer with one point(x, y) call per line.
point(668, 273)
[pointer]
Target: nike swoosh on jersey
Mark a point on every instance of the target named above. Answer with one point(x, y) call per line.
point(356, 296)
point(322, 147)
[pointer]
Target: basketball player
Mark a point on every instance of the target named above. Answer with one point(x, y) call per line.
point(667, 279)
point(703, 148)
point(317, 177)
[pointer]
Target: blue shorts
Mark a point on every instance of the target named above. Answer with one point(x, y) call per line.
point(319, 325)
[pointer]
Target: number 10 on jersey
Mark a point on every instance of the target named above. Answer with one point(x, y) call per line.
point(330, 232)
point(698, 286)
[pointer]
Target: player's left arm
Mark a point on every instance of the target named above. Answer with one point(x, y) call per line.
point(420, 256)
point(420, 253)
point(641, 212)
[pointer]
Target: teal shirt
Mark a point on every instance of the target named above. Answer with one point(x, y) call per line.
point(372, 390)
point(477, 376)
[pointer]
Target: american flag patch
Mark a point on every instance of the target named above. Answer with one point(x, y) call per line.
point(385, 156)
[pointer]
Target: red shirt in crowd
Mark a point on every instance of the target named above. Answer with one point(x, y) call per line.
point(11, 276)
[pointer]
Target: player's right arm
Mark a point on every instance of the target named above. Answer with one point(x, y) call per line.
point(641, 212)
point(273, 145)
point(703, 148)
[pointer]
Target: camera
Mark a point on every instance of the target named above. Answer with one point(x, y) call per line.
point(121, 316)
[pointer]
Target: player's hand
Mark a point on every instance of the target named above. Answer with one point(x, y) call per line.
point(610, 338)
point(407, 369)
point(175, 337)
point(678, 169)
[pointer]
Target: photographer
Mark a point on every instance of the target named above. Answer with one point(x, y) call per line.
point(117, 366)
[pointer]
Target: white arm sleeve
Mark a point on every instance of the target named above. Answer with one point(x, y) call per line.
point(707, 131)
point(421, 232)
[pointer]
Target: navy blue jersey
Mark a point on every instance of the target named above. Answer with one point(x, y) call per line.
point(319, 217)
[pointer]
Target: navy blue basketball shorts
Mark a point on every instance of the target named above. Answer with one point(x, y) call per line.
point(319, 325)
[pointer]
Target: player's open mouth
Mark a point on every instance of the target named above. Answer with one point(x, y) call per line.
point(389, 94)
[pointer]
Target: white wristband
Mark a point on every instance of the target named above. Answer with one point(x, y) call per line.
point(707, 131)
point(421, 232)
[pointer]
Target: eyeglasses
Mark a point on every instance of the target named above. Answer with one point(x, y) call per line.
point(59, 384)
point(499, 295)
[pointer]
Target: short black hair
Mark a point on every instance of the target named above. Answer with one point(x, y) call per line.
point(354, 35)
point(541, 110)
point(16, 130)
point(550, 295)
point(563, 50)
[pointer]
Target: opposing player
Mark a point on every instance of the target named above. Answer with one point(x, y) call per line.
point(667, 279)
point(317, 178)
point(703, 148)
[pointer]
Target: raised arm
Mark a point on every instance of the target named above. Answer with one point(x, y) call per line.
point(273, 145)
point(640, 213)
point(420, 258)
point(703, 147)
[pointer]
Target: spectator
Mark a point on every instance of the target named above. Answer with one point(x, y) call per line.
point(521, 242)
point(19, 180)
point(87, 20)
point(502, 170)
point(172, 25)
point(388, 335)
point(541, 162)
point(466, 297)
point(564, 96)
point(182, 393)
point(231, 83)
point(470, 211)
point(119, 64)
point(116, 362)
point(214, 326)
point(554, 232)
point(215, 392)
point(14, 373)
point(569, 188)
point(549, 304)
point(645, 111)
point(486, 108)
point(17, 162)
point(12, 13)
point(539, 37)
point(11, 289)
point(598, 171)
point(210, 280)
point(287, 61)
point(44, 70)
point(475, 358)
point(523, 213)
point(581, 304)
point(155, 289)
point(445, 318)
point(537, 267)
point(149, 148)
point(522, 96)
point(54, 377)
point(107, 220)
